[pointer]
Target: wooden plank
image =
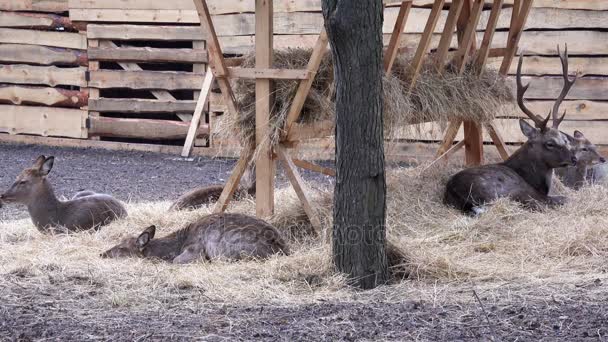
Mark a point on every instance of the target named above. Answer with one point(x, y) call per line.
point(198, 111)
point(473, 143)
point(264, 73)
point(448, 33)
point(539, 65)
point(56, 39)
point(484, 49)
point(93, 92)
point(200, 68)
point(264, 164)
point(46, 121)
point(498, 140)
point(52, 76)
point(304, 87)
point(42, 55)
point(141, 128)
point(582, 110)
point(30, 95)
point(147, 54)
point(34, 5)
point(109, 105)
point(547, 88)
point(315, 130)
point(443, 157)
point(314, 167)
point(145, 32)
point(448, 138)
point(239, 6)
point(169, 80)
point(300, 188)
point(425, 40)
point(515, 35)
point(233, 181)
point(391, 52)
point(35, 21)
point(468, 43)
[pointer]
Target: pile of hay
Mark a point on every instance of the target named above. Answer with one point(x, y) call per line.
point(440, 249)
point(435, 97)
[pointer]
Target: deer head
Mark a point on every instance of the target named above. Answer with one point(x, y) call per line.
point(30, 183)
point(132, 246)
point(548, 144)
point(585, 151)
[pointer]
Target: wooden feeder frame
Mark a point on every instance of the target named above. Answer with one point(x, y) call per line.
point(463, 17)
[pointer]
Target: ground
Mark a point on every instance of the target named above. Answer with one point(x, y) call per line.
point(45, 302)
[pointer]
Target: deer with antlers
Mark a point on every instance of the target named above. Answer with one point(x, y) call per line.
point(526, 176)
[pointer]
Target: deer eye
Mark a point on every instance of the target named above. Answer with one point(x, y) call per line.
point(22, 182)
point(550, 144)
point(585, 149)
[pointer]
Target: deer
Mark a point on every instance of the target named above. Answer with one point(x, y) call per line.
point(590, 167)
point(87, 210)
point(526, 176)
point(202, 196)
point(229, 236)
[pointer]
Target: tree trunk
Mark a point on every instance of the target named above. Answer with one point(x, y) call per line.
point(354, 29)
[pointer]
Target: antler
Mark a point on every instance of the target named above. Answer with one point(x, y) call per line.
point(521, 89)
point(567, 85)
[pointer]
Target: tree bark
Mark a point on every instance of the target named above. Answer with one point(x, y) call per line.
point(354, 29)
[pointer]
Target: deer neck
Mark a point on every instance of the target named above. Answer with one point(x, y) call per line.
point(44, 206)
point(533, 170)
point(167, 247)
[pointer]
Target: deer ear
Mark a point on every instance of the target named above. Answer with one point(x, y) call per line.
point(578, 134)
point(527, 129)
point(38, 162)
point(144, 238)
point(47, 166)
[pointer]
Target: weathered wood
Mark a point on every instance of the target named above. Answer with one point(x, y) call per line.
point(94, 93)
point(46, 121)
point(484, 49)
point(546, 88)
point(169, 80)
point(109, 105)
point(498, 140)
point(515, 33)
point(448, 34)
point(582, 110)
point(468, 43)
point(539, 65)
point(35, 5)
point(425, 40)
point(315, 130)
point(35, 54)
point(30, 95)
point(52, 76)
point(233, 181)
point(279, 74)
point(148, 55)
point(300, 188)
point(314, 167)
point(473, 143)
point(141, 128)
point(145, 32)
point(391, 51)
point(35, 21)
point(198, 111)
point(449, 136)
point(56, 39)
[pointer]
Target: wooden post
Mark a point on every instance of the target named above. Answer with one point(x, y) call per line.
point(425, 40)
point(198, 111)
point(448, 34)
point(473, 143)
point(517, 27)
point(93, 92)
point(393, 45)
point(265, 166)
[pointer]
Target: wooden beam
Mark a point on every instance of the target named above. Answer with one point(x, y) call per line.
point(304, 87)
point(425, 40)
point(300, 188)
point(265, 165)
point(40, 21)
point(110, 105)
point(484, 49)
point(448, 33)
point(52, 76)
point(233, 182)
point(313, 130)
point(42, 55)
point(514, 36)
point(543, 66)
point(148, 55)
point(443, 157)
point(198, 111)
point(449, 136)
point(93, 92)
point(141, 128)
point(45, 121)
point(278, 74)
point(167, 80)
point(391, 52)
point(498, 141)
point(30, 95)
point(314, 167)
point(48, 38)
point(145, 32)
point(35, 5)
point(468, 38)
point(473, 143)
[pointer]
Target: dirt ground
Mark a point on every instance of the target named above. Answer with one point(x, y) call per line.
point(68, 309)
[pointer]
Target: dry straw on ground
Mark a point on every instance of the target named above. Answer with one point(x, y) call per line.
point(443, 249)
point(435, 97)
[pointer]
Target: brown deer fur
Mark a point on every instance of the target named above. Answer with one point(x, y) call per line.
point(526, 176)
point(48, 213)
point(229, 236)
point(588, 167)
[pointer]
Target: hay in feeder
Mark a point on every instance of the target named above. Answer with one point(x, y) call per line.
point(437, 97)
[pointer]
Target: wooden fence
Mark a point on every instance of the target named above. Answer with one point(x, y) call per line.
point(145, 60)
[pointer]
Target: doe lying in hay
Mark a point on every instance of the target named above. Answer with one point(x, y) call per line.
point(435, 96)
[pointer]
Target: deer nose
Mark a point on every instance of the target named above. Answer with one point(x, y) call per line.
point(574, 159)
point(602, 160)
